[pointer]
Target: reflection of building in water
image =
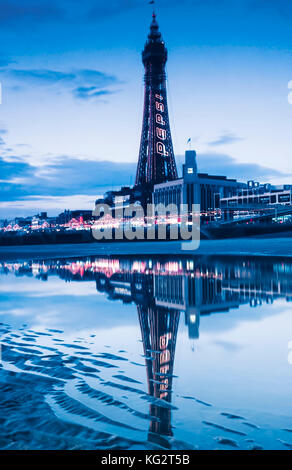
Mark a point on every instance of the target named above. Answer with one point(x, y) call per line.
point(163, 289)
point(258, 282)
point(194, 286)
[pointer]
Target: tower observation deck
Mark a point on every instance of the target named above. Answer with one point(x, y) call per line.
point(156, 158)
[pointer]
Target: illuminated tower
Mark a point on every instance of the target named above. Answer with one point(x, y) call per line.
point(156, 159)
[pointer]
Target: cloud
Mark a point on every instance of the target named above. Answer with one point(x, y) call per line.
point(224, 139)
point(69, 175)
point(47, 76)
point(41, 76)
point(66, 183)
point(9, 170)
point(223, 164)
point(95, 77)
point(226, 165)
point(83, 83)
point(63, 177)
point(86, 93)
point(30, 205)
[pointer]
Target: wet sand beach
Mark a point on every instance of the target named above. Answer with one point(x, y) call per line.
point(279, 247)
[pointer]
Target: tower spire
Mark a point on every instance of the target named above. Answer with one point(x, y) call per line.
point(156, 158)
point(154, 28)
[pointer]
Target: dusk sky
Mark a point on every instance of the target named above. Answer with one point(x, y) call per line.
point(72, 94)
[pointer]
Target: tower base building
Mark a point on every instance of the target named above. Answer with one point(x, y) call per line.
point(196, 188)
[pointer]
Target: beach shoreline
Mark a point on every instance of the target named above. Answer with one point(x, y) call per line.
point(249, 247)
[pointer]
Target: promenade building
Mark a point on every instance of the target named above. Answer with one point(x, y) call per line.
point(258, 199)
point(196, 188)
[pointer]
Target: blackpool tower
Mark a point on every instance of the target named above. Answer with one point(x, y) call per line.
point(156, 159)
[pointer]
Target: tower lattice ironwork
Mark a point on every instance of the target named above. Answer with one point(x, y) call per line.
point(156, 158)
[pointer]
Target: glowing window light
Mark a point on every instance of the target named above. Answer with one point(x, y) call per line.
point(193, 318)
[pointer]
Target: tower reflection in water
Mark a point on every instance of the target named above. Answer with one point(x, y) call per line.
point(165, 289)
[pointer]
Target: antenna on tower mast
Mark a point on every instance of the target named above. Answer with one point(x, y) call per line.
point(152, 2)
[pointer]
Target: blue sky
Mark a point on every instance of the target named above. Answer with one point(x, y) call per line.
point(72, 93)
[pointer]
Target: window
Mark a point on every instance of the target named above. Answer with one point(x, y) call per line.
point(232, 202)
point(265, 199)
point(190, 170)
point(284, 198)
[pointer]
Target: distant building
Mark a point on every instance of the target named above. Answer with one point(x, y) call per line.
point(68, 215)
point(33, 221)
point(256, 193)
point(23, 221)
point(256, 197)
